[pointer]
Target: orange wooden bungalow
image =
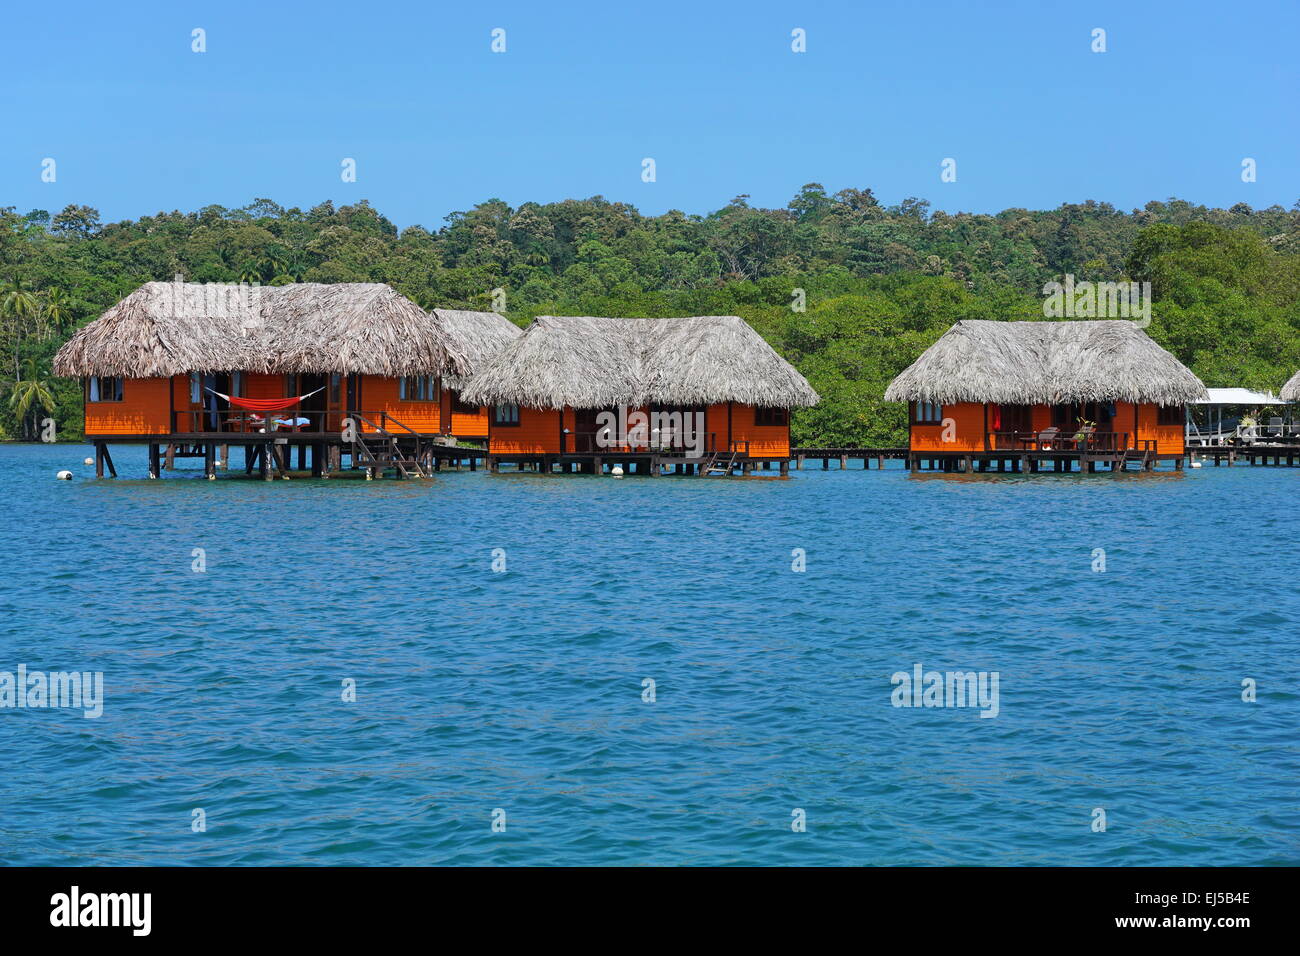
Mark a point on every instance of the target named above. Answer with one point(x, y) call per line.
point(1018, 395)
point(700, 395)
point(192, 367)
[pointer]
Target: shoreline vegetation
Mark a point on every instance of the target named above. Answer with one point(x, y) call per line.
point(848, 290)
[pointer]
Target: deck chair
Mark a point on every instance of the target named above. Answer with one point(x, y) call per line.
point(1047, 438)
point(1275, 428)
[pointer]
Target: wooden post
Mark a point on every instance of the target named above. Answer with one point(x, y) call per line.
point(317, 459)
point(154, 460)
point(224, 455)
point(844, 462)
point(798, 465)
point(108, 460)
point(99, 459)
point(209, 460)
point(264, 461)
point(171, 456)
point(785, 467)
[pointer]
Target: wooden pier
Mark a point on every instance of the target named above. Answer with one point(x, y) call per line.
point(323, 454)
point(1286, 456)
point(654, 465)
point(845, 455)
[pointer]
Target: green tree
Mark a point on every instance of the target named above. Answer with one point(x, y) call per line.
point(29, 394)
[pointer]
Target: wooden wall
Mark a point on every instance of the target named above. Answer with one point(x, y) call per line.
point(764, 440)
point(379, 394)
point(144, 410)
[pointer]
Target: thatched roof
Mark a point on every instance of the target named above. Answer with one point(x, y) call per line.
point(586, 362)
point(1291, 390)
point(1031, 363)
point(170, 328)
point(478, 335)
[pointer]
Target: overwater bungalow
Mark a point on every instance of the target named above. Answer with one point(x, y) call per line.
point(1020, 395)
point(195, 367)
point(702, 395)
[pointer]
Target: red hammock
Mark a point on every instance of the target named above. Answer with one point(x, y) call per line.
point(264, 404)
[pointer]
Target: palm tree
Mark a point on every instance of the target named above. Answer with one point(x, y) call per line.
point(56, 308)
point(29, 394)
point(17, 305)
point(17, 300)
point(273, 264)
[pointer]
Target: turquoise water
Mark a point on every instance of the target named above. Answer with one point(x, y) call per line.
point(522, 691)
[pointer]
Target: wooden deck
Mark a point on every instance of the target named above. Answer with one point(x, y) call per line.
point(322, 454)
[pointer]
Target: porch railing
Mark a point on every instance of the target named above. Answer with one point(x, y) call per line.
point(1071, 440)
point(591, 443)
point(294, 419)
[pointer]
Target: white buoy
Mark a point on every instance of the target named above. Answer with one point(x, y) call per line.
point(212, 477)
point(1195, 463)
point(89, 461)
point(64, 475)
point(617, 471)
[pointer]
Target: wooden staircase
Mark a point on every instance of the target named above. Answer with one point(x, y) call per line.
point(718, 463)
point(377, 453)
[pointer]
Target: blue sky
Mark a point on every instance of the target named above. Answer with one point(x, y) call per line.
point(138, 123)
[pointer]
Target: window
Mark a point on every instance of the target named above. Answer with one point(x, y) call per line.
point(1170, 415)
point(504, 415)
point(104, 388)
point(196, 388)
point(771, 416)
point(927, 413)
point(237, 383)
point(336, 388)
point(417, 388)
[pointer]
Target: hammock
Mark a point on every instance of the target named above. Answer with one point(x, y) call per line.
point(264, 404)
